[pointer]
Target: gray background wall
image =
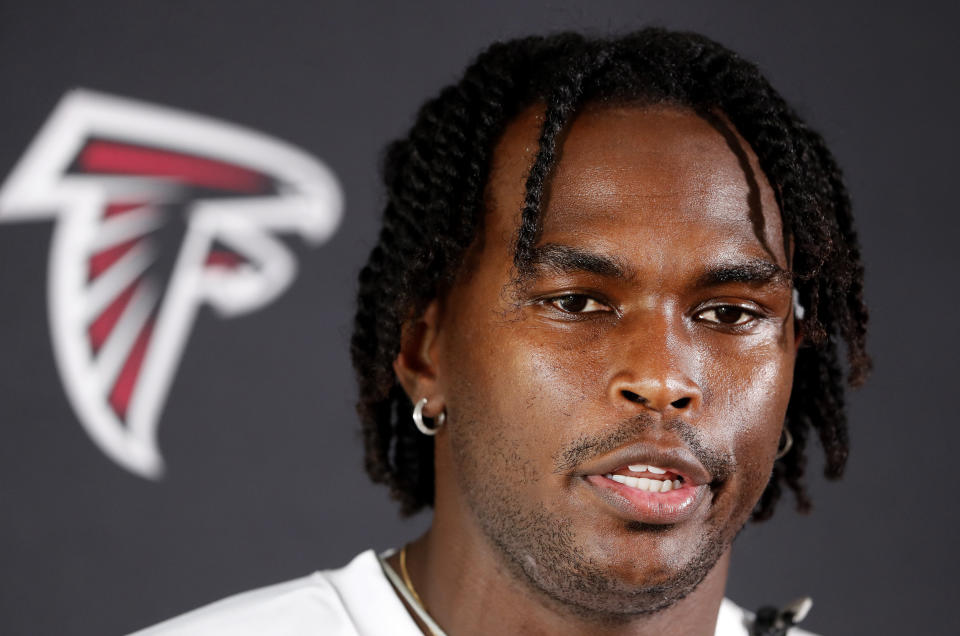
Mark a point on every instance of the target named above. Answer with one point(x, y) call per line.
point(265, 479)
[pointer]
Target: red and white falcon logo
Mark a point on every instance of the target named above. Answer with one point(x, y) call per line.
point(157, 212)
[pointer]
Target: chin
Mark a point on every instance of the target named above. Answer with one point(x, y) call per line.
point(610, 595)
point(603, 580)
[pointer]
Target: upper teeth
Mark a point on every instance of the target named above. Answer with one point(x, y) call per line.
point(642, 483)
point(642, 468)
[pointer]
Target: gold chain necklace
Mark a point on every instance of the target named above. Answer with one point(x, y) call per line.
point(406, 578)
point(413, 599)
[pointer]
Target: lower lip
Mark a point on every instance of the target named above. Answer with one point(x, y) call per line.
point(659, 508)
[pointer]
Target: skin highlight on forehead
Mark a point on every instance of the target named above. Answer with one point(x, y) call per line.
point(687, 162)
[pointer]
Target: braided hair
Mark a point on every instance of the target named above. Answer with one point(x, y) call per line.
point(435, 180)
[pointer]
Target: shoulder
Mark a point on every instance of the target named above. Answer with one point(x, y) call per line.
point(733, 620)
point(350, 601)
point(284, 608)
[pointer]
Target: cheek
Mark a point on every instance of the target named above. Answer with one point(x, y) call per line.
point(524, 394)
point(546, 388)
point(748, 405)
point(501, 394)
point(561, 376)
point(557, 374)
point(750, 383)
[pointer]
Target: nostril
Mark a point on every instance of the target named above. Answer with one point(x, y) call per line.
point(682, 403)
point(633, 397)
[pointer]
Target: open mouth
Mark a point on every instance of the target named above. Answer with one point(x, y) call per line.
point(649, 494)
point(647, 478)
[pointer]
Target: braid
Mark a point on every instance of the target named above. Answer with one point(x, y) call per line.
point(561, 104)
point(435, 180)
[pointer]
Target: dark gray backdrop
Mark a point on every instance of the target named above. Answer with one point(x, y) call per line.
point(265, 479)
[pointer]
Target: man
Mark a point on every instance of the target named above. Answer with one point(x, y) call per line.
point(608, 293)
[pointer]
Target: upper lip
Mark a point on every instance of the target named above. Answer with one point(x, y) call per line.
point(676, 459)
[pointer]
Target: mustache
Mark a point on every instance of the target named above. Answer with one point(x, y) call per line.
point(718, 463)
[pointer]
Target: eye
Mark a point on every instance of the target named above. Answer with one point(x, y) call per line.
point(729, 315)
point(577, 304)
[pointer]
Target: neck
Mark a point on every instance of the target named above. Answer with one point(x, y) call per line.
point(467, 589)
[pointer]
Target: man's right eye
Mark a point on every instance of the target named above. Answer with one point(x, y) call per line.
point(577, 304)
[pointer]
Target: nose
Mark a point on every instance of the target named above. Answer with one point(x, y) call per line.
point(654, 369)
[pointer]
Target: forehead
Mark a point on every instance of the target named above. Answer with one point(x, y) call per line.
point(656, 172)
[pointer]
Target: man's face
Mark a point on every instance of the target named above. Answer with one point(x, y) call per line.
point(653, 329)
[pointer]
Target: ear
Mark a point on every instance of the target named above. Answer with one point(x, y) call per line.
point(416, 364)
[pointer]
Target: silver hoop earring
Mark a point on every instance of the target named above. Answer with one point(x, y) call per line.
point(418, 419)
point(787, 444)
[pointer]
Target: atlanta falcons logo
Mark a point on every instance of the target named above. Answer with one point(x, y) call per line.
point(157, 212)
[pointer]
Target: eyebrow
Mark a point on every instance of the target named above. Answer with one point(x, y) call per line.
point(566, 259)
point(751, 272)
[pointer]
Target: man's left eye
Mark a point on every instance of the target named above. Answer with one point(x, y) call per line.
point(727, 315)
point(577, 304)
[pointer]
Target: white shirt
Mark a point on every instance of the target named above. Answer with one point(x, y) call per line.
point(357, 600)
